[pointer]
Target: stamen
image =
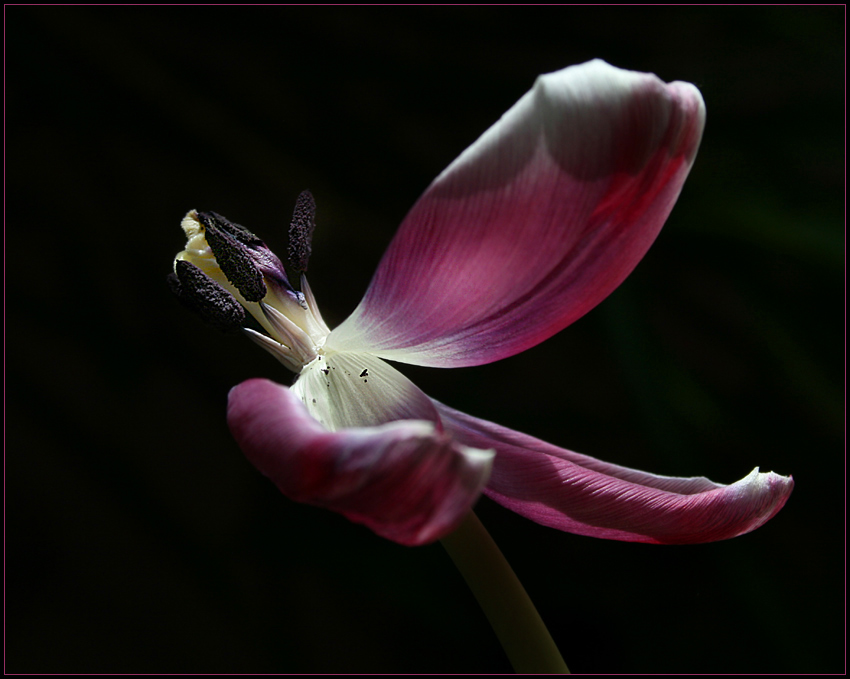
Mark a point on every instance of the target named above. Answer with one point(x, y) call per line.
point(276, 349)
point(300, 342)
point(301, 236)
point(232, 254)
point(200, 293)
point(321, 327)
point(239, 232)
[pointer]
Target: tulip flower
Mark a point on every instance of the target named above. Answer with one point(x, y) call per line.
point(530, 228)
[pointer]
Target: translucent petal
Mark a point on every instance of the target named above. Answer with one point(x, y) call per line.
point(535, 223)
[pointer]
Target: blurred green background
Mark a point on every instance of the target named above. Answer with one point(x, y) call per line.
point(138, 537)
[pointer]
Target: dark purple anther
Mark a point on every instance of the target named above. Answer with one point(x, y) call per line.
point(239, 232)
point(200, 293)
point(301, 237)
point(230, 243)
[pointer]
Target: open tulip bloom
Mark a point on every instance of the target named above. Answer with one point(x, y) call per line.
point(529, 229)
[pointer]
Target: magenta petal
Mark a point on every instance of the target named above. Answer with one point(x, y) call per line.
point(535, 223)
point(403, 480)
point(578, 494)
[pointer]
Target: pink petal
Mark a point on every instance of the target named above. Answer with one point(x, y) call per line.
point(403, 480)
point(578, 494)
point(535, 223)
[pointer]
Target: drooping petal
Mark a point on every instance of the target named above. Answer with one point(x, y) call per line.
point(404, 480)
point(579, 494)
point(535, 223)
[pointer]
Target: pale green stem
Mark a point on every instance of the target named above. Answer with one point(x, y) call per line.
point(502, 597)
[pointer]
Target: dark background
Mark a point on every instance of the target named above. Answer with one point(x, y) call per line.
point(138, 537)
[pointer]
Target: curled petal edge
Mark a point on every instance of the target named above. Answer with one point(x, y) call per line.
point(579, 494)
point(403, 480)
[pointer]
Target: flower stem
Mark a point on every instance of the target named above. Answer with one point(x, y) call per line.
point(502, 597)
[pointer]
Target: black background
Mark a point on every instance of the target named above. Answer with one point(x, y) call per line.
point(138, 537)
